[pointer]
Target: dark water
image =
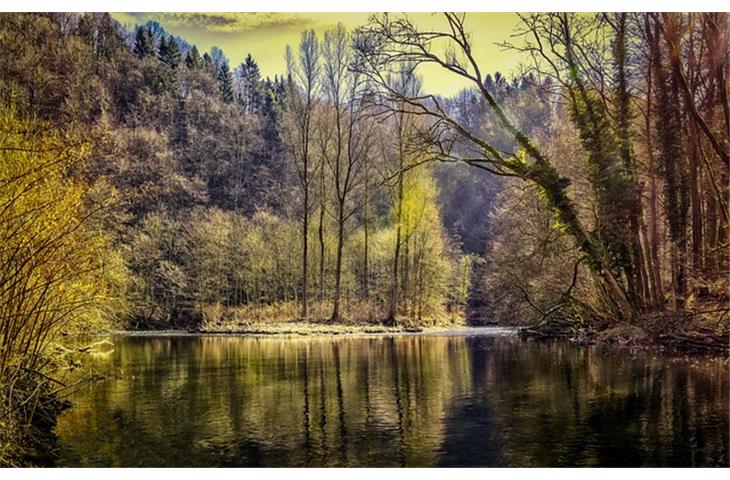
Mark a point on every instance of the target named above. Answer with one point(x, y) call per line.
point(405, 401)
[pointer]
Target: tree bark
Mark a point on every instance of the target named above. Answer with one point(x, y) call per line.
point(338, 262)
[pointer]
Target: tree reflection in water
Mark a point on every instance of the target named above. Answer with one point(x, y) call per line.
point(398, 401)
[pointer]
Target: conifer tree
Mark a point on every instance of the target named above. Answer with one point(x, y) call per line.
point(225, 83)
point(207, 63)
point(170, 54)
point(192, 59)
point(162, 51)
point(143, 45)
point(250, 84)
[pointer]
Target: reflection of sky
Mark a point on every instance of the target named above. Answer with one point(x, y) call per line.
point(265, 36)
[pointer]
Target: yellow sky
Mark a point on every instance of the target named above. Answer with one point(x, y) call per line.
point(265, 35)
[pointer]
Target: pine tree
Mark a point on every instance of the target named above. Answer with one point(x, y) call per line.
point(250, 78)
point(207, 64)
point(192, 59)
point(217, 56)
point(171, 54)
point(225, 83)
point(143, 45)
point(162, 51)
point(110, 41)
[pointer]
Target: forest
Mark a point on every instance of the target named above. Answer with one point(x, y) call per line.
point(145, 184)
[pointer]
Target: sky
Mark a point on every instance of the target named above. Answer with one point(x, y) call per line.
point(265, 36)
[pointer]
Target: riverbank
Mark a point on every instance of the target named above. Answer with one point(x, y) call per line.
point(305, 329)
point(698, 339)
point(689, 338)
point(618, 337)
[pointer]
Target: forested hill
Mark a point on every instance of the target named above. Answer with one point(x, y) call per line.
point(194, 163)
point(590, 190)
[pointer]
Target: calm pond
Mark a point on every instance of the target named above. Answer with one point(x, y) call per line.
point(464, 400)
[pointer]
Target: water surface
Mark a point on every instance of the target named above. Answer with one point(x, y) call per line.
point(487, 400)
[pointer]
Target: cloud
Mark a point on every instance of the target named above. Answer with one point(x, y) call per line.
point(225, 22)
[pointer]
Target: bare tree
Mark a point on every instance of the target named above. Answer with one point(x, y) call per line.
point(342, 87)
point(387, 43)
point(303, 83)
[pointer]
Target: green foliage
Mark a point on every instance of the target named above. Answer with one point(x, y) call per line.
point(427, 268)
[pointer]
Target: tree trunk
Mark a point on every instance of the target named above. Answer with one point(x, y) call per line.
point(405, 276)
point(653, 234)
point(320, 233)
point(338, 265)
point(366, 226)
point(305, 247)
point(393, 304)
point(635, 272)
point(669, 127)
point(695, 203)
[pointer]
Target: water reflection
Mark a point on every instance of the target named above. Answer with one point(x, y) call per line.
point(406, 401)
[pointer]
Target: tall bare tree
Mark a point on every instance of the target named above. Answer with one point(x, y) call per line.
point(303, 74)
point(342, 87)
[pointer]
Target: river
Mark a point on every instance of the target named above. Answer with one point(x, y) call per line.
point(489, 399)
